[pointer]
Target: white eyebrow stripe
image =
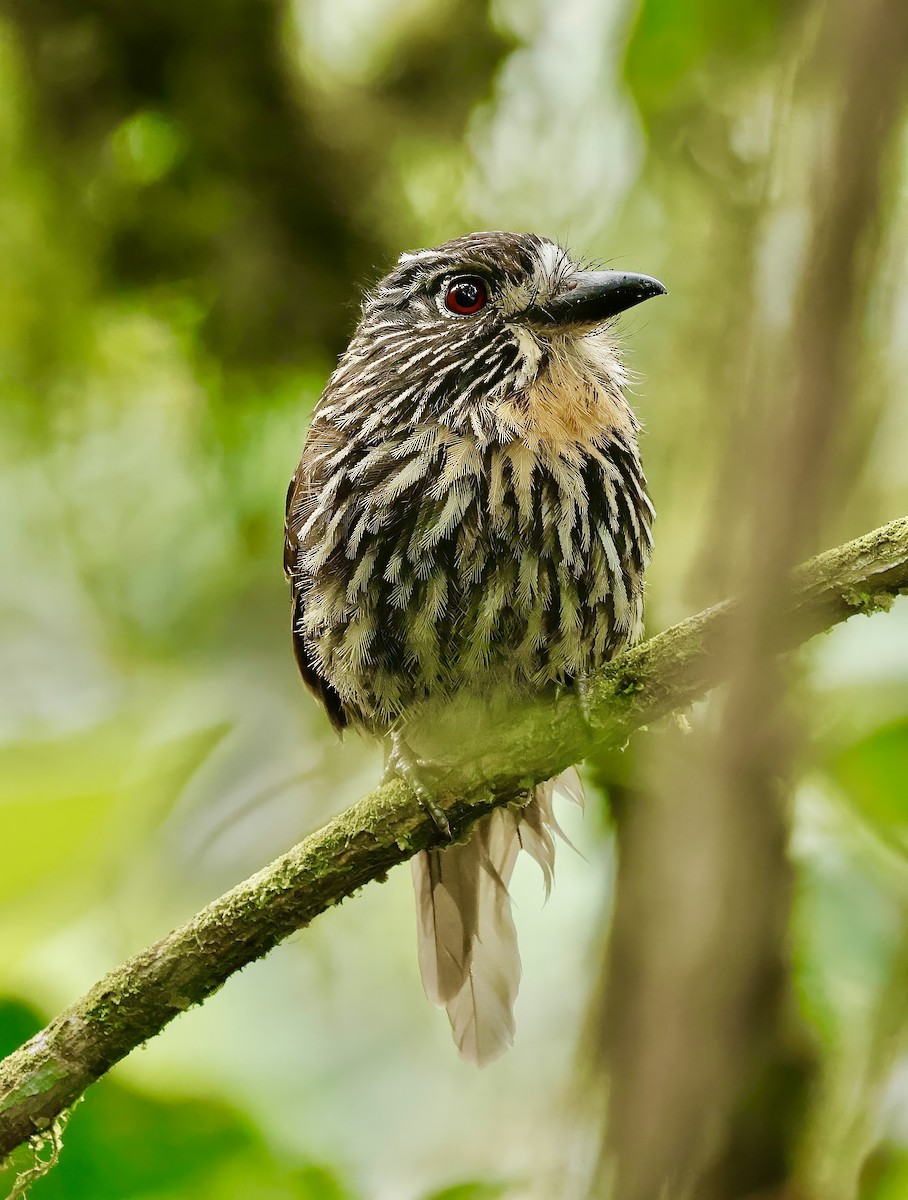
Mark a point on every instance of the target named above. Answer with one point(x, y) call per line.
point(419, 256)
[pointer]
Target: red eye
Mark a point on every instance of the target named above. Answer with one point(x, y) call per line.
point(466, 295)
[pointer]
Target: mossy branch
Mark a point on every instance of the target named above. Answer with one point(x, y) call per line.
point(666, 673)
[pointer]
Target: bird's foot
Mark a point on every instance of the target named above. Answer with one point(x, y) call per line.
point(402, 763)
point(580, 686)
point(437, 814)
point(583, 695)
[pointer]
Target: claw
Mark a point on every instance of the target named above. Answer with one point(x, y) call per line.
point(401, 763)
point(584, 697)
point(437, 814)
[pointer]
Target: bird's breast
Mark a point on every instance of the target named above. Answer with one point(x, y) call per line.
point(439, 566)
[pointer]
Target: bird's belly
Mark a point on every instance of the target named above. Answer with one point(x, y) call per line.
point(515, 631)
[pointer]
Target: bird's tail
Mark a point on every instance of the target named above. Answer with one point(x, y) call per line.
point(465, 929)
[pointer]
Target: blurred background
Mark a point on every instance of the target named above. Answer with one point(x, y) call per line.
point(191, 197)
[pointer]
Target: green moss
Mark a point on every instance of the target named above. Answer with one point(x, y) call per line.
point(630, 687)
point(36, 1083)
point(868, 602)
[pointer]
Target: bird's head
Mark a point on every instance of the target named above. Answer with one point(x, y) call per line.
point(498, 334)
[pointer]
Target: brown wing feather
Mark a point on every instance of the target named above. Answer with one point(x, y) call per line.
point(317, 684)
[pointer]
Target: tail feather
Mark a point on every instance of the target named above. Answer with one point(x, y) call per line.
point(537, 834)
point(447, 895)
point(466, 937)
point(482, 1012)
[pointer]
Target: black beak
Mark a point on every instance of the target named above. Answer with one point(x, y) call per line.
point(592, 296)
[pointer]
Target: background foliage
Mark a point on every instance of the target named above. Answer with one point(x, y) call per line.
point(190, 198)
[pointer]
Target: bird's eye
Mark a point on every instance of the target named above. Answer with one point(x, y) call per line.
point(466, 295)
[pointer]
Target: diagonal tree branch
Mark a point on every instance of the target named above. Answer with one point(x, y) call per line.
point(666, 673)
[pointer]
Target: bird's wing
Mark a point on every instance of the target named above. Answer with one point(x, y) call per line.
point(303, 487)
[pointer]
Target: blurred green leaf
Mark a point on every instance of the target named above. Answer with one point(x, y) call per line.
point(477, 1190)
point(873, 774)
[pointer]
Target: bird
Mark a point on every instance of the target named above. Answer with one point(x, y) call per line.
point(470, 524)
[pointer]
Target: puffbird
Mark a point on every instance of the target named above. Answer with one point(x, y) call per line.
point(469, 525)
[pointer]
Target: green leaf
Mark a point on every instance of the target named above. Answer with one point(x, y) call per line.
point(477, 1190)
point(873, 774)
